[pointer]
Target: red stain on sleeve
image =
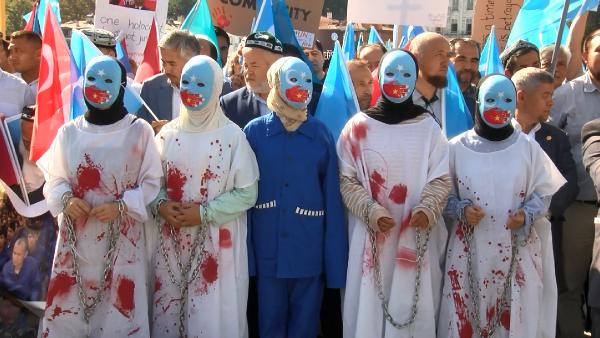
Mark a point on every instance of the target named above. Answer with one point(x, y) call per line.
point(157, 284)
point(398, 194)
point(59, 311)
point(505, 319)
point(206, 176)
point(175, 182)
point(225, 238)
point(406, 258)
point(209, 268)
point(359, 131)
point(88, 177)
point(134, 331)
point(59, 286)
point(125, 300)
point(465, 330)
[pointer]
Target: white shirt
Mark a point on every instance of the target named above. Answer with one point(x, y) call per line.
point(531, 134)
point(434, 107)
point(15, 94)
point(33, 87)
point(262, 105)
point(176, 103)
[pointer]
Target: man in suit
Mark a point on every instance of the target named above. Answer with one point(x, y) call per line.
point(260, 51)
point(590, 138)
point(161, 92)
point(534, 101)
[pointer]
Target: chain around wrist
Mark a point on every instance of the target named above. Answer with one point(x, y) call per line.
point(66, 198)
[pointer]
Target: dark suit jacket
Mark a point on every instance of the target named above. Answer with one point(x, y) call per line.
point(557, 146)
point(241, 106)
point(158, 95)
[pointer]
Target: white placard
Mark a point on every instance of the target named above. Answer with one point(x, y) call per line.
point(116, 16)
point(305, 39)
point(429, 13)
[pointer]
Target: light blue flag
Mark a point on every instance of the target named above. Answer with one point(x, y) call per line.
point(457, 117)
point(489, 62)
point(374, 36)
point(348, 44)
point(199, 22)
point(538, 21)
point(41, 11)
point(338, 102)
point(265, 19)
point(82, 51)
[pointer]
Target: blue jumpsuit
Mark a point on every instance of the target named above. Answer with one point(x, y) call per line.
point(297, 233)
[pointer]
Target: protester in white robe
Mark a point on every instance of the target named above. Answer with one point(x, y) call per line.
point(101, 171)
point(503, 183)
point(394, 168)
point(211, 179)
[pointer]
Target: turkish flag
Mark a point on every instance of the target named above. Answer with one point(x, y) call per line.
point(54, 87)
point(150, 66)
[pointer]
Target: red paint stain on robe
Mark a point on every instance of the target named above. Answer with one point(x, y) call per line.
point(398, 194)
point(406, 258)
point(88, 177)
point(465, 330)
point(209, 268)
point(175, 181)
point(376, 181)
point(225, 238)
point(59, 286)
point(125, 301)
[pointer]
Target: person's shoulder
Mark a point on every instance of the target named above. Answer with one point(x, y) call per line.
point(592, 128)
point(259, 122)
point(9, 79)
point(235, 95)
point(552, 130)
point(155, 80)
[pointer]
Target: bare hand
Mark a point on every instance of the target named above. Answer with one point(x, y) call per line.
point(107, 212)
point(516, 220)
point(474, 214)
point(190, 215)
point(157, 125)
point(2, 116)
point(385, 224)
point(419, 220)
point(171, 212)
point(77, 208)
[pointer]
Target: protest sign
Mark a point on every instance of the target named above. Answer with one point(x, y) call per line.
point(235, 16)
point(133, 18)
point(430, 13)
point(502, 14)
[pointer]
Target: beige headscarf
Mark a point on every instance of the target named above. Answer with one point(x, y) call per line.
point(210, 117)
point(291, 117)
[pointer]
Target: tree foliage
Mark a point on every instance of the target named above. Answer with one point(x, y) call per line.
point(70, 10)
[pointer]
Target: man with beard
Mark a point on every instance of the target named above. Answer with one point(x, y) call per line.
point(521, 54)
point(432, 51)
point(576, 103)
point(465, 58)
point(316, 58)
point(161, 92)
point(261, 50)
point(534, 101)
point(362, 81)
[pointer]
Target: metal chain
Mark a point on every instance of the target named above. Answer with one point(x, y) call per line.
point(113, 235)
point(421, 248)
point(197, 253)
point(489, 330)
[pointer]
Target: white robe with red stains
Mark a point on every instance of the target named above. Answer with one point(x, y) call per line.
point(393, 163)
point(101, 164)
point(499, 182)
point(198, 168)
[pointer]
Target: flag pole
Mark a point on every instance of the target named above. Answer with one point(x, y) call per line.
point(561, 28)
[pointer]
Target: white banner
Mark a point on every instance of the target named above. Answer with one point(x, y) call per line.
point(428, 13)
point(133, 18)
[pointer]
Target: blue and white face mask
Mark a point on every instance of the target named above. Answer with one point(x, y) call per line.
point(102, 82)
point(295, 83)
point(497, 101)
point(197, 82)
point(397, 76)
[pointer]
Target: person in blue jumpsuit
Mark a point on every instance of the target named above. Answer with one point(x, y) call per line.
point(297, 235)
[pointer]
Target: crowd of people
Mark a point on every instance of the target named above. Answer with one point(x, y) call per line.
point(223, 208)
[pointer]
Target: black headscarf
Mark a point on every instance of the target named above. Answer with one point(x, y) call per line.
point(116, 112)
point(389, 112)
point(485, 131)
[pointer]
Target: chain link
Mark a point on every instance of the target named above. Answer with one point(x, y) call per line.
point(109, 259)
point(491, 327)
point(197, 253)
point(421, 248)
